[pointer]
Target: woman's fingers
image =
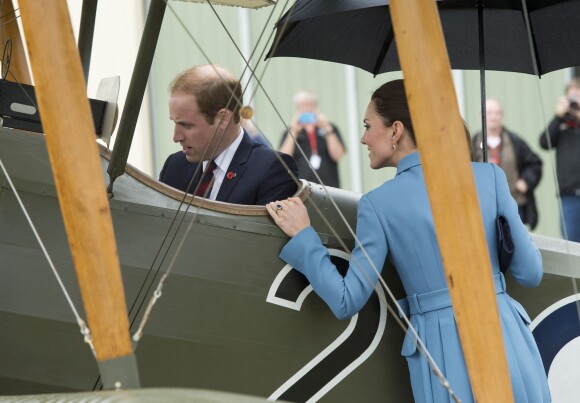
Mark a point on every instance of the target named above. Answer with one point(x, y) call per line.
point(290, 215)
point(272, 210)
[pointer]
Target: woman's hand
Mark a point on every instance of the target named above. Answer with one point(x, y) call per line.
point(290, 215)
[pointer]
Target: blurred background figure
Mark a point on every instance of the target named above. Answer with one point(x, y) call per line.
point(319, 139)
point(523, 168)
point(564, 136)
point(247, 113)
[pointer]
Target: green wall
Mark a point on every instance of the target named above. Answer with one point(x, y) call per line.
point(525, 98)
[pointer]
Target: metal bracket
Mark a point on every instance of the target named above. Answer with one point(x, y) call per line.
point(120, 373)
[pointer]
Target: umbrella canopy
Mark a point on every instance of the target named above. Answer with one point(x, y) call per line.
point(532, 36)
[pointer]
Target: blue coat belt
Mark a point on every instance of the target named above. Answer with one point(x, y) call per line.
point(439, 299)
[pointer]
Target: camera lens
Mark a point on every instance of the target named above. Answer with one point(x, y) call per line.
point(574, 105)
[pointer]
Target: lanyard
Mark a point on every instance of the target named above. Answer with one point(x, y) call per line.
point(312, 138)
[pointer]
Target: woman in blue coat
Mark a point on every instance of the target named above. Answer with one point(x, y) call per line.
point(395, 222)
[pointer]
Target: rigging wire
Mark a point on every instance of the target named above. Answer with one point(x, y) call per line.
point(15, 17)
point(84, 328)
point(421, 346)
point(137, 336)
point(157, 293)
point(82, 324)
point(318, 210)
point(7, 63)
point(175, 231)
point(8, 13)
point(551, 156)
point(554, 172)
point(85, 331)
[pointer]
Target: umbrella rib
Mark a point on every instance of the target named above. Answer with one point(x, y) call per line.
point(531, 42)
point(482, 80)
point(388, 39)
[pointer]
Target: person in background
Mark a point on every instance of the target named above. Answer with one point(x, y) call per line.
point(523, 167)
point(395, 222)
point(317, 137)
point(247, 112)
point(204, 105)
point(563, 135)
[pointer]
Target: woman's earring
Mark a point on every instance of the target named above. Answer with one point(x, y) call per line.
point(394, 146)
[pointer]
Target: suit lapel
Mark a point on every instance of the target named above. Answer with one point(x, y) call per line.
point(236, 168)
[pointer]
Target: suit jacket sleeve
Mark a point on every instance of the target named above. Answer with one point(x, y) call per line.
point(344, 295)
point(526, 265)
point(277, 183)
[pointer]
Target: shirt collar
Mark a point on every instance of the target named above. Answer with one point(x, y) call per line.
point(223, 160)
point(409, 161)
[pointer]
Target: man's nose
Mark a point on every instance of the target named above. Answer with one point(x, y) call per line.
point(177, 136)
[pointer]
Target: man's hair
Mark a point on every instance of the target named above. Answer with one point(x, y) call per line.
point(213, 87)
point(573, 83)
point(305, 95)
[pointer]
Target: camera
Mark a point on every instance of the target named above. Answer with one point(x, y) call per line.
point(573, 114)
point(307, 118)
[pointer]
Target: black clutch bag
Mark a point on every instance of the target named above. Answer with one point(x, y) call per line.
point(505, 243)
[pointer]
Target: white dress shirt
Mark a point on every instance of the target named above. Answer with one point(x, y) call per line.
point(222, 164)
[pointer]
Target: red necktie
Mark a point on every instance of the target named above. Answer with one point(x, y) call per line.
point(206, 182)
point(312, 139)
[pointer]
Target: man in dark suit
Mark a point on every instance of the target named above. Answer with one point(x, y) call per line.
point(204, 105)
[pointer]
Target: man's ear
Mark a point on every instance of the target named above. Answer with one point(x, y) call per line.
point(222, 118)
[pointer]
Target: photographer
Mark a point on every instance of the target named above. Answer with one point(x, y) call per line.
point(563, 135)
point(317, 137)
point(523, 168)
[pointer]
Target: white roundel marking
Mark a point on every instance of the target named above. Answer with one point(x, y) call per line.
point(553, 308)
point(564, 375)
point(564, 372)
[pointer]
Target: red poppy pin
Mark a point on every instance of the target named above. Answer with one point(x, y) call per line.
point(231, 175)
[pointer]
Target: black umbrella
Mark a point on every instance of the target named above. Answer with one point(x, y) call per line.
point(532, 36)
